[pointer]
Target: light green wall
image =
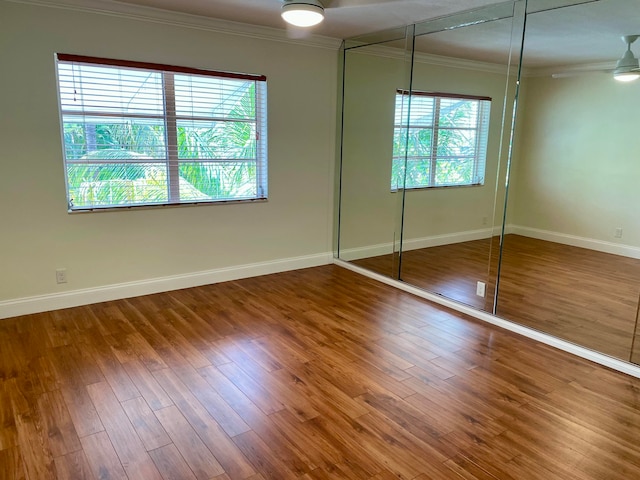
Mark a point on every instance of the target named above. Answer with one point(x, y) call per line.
point(38, 235)
point(370, 211)
point(577, 165)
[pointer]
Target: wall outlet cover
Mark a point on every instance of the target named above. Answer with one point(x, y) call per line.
point(61, 275)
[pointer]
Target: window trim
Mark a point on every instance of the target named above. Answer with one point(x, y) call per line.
point(65, 57)
point(433, 156)
point(169, 117)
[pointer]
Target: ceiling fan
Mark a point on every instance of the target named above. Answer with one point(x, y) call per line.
point(626, 68)
point(307, 13)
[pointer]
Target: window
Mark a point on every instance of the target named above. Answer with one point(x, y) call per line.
point(146, 134)
point(445, 139)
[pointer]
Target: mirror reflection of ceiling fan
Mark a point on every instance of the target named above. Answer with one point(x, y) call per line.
point(307, 13)
point(626, 69)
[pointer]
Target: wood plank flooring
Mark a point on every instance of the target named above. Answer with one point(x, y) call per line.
point(313, 374)
point(586, 297)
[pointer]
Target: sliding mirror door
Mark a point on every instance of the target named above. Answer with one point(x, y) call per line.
point(463, 90)
point(370, 216)
point(539, 224)
point(570, 264)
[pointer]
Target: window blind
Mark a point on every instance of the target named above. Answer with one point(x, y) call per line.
point(146, 134)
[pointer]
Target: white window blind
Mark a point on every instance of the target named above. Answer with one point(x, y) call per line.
point(147, 134)
point(444, 138)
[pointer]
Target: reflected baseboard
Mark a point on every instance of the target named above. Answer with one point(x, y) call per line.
point(366, 251)
point(588, 354)
point(350, 254)
point(575, 241)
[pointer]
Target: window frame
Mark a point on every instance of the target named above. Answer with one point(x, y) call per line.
point(170, 119)
point(481, 128)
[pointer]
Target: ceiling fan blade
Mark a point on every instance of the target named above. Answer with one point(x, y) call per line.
point(352, 3)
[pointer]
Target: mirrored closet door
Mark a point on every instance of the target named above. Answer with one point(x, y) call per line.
point(532, 216)
point(374, 68)
point(570, 264)
point(463, 91)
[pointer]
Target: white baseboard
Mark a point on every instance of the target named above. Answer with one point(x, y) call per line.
point(575, 241)
point(350, 254)
point(592, 355)
point(357, 253)
point(74, 298)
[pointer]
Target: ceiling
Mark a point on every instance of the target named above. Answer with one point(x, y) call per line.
point(582, 34)
point(343, 18)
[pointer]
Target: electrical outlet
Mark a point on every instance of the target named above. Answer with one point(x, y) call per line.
point(618, 233)
point(484, 220)
point(481, 288)
point(61, 275)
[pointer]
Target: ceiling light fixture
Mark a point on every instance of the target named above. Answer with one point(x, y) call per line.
point(627, 68)
point(302, 13)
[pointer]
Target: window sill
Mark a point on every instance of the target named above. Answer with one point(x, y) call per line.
point(118, 208)
point(439, 187)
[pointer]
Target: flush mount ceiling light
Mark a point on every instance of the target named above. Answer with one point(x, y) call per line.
point(627, 68)
point(302, 13)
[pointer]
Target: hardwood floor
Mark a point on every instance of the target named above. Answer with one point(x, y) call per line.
point(312, 374)
point(586, 297)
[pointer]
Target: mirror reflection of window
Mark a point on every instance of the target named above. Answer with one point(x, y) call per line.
point(444, 137)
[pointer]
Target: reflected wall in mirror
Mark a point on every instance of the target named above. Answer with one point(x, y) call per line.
point(374, 67)
point(571, 255)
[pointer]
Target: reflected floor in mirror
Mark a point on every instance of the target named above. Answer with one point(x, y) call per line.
point(449, 270)
point(584, 296)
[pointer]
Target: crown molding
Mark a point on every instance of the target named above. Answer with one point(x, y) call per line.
point(427, 58)
point(460, 63)
point(178, 19)
point(439, 60)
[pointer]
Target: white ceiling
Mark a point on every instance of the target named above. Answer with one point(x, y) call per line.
point(588, 33)
point(583, 34)
point(343, 18)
